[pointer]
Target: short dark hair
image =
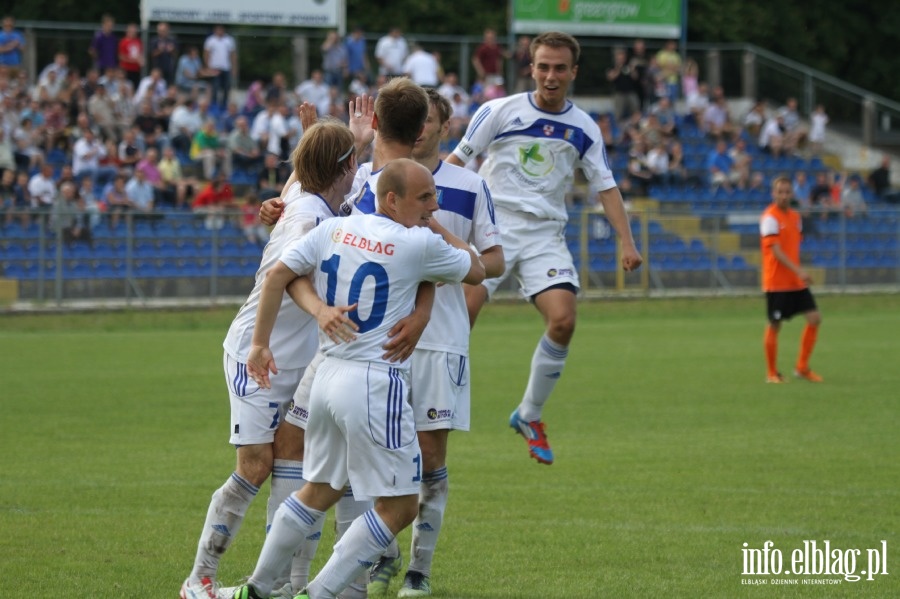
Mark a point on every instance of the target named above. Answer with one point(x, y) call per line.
point(401, 108)
point(556, 39)
point(441, 103)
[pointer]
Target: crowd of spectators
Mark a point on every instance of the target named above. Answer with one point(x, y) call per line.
point(175, 138)
point(145, 130)
point(660, 104)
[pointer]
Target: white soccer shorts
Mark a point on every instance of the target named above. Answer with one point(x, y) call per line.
point(255, 412)
point(535, 251)
point(298, 410)
point(361, 430)
point(440, 390)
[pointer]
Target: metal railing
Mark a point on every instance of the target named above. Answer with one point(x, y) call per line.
point(719, 249)
point(183, 255)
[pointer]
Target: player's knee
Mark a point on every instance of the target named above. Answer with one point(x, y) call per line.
point(407, 511)
point(255, 465)
point(289, 442)
point(814, 318)
point(398, 512)
point(561, 328)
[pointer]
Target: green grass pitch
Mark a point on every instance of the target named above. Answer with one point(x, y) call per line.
point(671, 453)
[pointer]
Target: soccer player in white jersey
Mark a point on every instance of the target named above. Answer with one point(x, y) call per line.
point(440, 365)
point(361, 430)
point(326, 164)
point(534, 141)
point(397, 115)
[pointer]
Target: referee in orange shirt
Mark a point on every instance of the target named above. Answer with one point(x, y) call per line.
point(785, 282)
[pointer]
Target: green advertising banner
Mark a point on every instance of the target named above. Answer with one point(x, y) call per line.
point(626, 18)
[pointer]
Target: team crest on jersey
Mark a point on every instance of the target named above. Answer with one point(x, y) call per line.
point(440, 197)
point(548, 130)
point(535, 160)
point(336, 235)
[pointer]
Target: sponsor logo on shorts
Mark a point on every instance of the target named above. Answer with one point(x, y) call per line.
point(299, 412)
point(434, 414)
point(559, 272)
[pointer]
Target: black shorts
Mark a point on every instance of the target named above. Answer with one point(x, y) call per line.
point(783, 305)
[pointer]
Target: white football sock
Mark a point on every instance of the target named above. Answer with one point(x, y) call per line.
point(293, 522)
point(427, 526)
point(363, 543)
point(346, 511)
point(223, 520)
point(546, 367)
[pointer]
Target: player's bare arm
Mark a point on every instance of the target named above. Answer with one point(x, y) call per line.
point(796, 268)
point(614, 209)
point(332, 320)
point(260, 361)
point(453, 159)
point(494, 262)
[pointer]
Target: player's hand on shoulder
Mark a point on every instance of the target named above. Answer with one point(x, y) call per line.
point(270, 211)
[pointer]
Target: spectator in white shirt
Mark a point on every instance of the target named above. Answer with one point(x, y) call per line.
point(152, 86)
point(86, 155)
point(390, 52)
point(315, 91)
point(270, 129)
point(42, 188)
point(422, 67)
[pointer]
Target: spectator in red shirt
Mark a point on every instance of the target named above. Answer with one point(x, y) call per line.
point(213, 200)
point(488, 59)
point(131, 55)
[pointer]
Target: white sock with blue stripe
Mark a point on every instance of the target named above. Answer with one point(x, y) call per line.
point(427, 526)
point(293, 522)
point(361, 546)
point(223, 520)
point(287, 479)
point(546, 367)
point(346, 510)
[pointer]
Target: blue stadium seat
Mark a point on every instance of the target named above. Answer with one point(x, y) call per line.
point(109, 269)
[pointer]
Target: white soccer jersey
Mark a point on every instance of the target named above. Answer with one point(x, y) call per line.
point(294, 339)
point(466, 210)
point(361, 199)
point(378, 263)
point(532, 153)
